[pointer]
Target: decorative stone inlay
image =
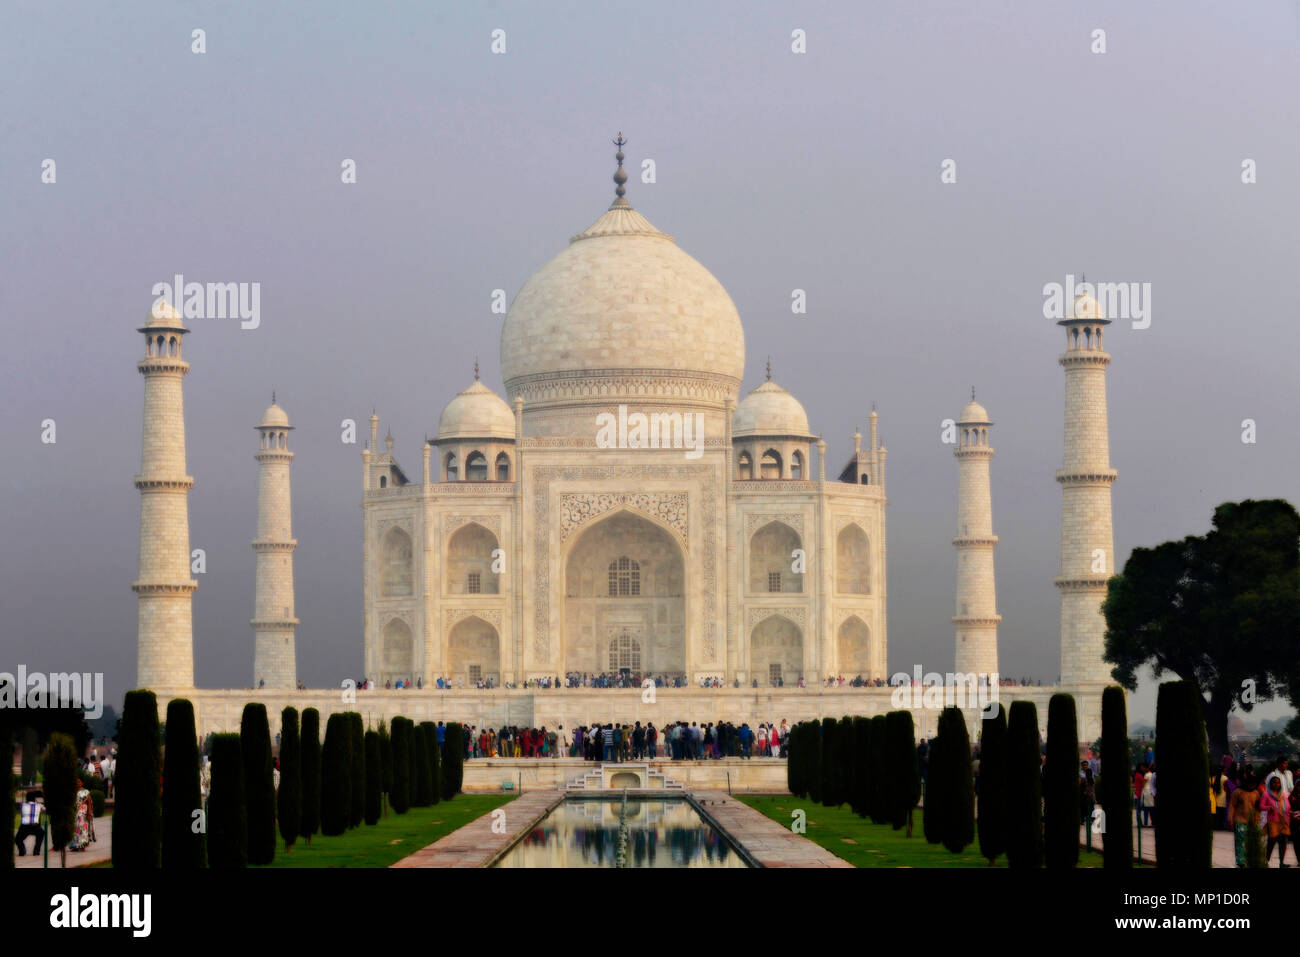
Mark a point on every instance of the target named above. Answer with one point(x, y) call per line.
point(756, 613)
point(384, 524)
point(589, 442)
point(844, 521)
point(844, 614)
point(633, 475)
point(453, 523)
point(403, 613)
point(577, 509)
point(491, 615)
point(641, 383)
point(756, 520)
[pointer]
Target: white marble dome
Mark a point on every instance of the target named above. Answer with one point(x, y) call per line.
point(621, 299)
point(770, 410)
point(476, 413)
point(974, 412)
point(274, 418)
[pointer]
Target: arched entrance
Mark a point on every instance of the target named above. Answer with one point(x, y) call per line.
point(624, 599)
point(776, 652)
point(474, 652)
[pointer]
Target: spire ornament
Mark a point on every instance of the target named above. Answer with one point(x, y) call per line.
point(476, 368)
point(769, 368)
point(620, 177)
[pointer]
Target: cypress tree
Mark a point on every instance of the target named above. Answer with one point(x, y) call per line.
point(861, 765)
point(453, 765)
point(31, 747)
point(423, 778)
point(182, 848)
point(792, 764)
point(137, 811)
point(993, 784)
point(904, 784)
point(259, 783)
point(289, 797)
point(336, 776)
point(830, 762)
point(400, 795)
point(7, 825)
point(309, 739)
point(878, 805)
point(1183, 836)
point(844, 776)
point(227, 817)
point(60, 789)
point(1024, 787)
point(374, 772)
point(1061, 785)
point(937, 789)
point(814, 764)
point(385, 759)
point(958, 829)
point(1114, 784)
point(429, 730)
point(357, 770)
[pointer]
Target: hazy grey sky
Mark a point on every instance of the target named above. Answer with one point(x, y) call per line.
point(817, 171)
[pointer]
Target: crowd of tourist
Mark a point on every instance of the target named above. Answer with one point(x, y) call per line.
point(676, 741)
point(1240, 797)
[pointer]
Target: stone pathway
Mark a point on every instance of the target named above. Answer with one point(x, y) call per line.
point(1221, 853)
point(100, 849)
point(772, 844)
point(476, 843)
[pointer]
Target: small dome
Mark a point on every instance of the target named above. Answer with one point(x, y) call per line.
point(274, 418)
point(974, 412)
point(1086, 307)
point(770, 410)
point(163, 315)
point(477, 413)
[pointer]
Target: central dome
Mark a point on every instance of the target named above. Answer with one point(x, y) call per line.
point(621, 301)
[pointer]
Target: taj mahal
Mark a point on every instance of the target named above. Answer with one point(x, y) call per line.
point(619, 507)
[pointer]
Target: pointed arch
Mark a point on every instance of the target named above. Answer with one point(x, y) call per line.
point(776, 651)
point(396, 566)
point(853, 647)
point(852, 561)
point(474, 651)
point(470, 559)
point(771, 559)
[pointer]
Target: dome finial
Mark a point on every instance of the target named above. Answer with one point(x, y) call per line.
point(273, 397)
point(972, 393)
point(620, 177)
point(476, 368)
point(769, 368)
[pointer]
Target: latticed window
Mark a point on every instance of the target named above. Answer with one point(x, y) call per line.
point(475, 584)
point(774, 673)
point(773, 581)
point(625, 652)
point(624, 577)
point(475, 673)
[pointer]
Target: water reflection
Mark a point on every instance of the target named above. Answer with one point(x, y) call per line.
point(582, 833)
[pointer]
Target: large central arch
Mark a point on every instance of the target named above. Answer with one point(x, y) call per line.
point(474, 652)
point(624, 586)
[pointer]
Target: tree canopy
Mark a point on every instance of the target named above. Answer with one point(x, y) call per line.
point(1221, 610)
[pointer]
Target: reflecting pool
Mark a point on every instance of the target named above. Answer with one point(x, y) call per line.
point(609, 833)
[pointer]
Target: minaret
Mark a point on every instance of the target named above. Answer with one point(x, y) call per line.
point(274, 661)
point(1087, 541)
point(976, 619)
point(165, 642)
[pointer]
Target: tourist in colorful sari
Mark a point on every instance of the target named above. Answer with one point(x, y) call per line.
point(83, 831)
point(1243, 810)
point(1275, 814)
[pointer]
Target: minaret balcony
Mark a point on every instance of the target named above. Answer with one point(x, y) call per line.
point(1086, 476)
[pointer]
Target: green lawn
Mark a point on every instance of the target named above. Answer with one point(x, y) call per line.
point(864, 844)
point(393, 838)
